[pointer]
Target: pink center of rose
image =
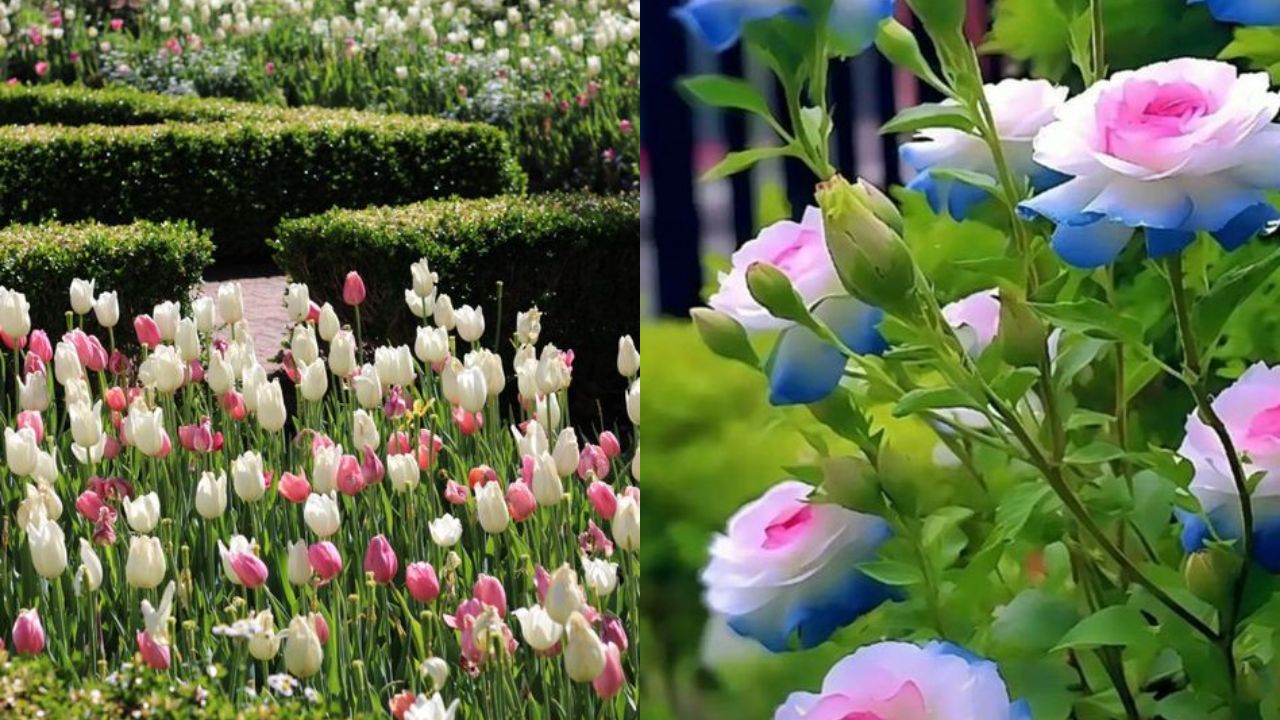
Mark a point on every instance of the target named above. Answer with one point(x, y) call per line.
point(1135, 117)
point(906, 704)
point(787, 526)
point(791, 258)
point(1264, 431)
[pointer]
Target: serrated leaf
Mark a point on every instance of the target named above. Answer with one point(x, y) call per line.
point(1115, 626)
point(928, 115)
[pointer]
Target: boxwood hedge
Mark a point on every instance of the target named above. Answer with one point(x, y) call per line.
point(143, 262)
point(575, 256)
point(233, 168)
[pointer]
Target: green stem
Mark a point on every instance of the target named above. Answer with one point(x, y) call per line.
point(1097, 42)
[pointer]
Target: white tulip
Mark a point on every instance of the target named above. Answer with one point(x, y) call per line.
point(321, 514)
point(424, 281)
point(547, 487)
point(491, 508)
point(313, 380)
point(368, 387)
point(432, 344)
point(364, 432)
point(324, 472)
point(449, 380)
point(163, 370)
point(304, 345)
point(221, 376)
point(146, 565)
point(247, 477)
point(211, 495)
point(303, 654)
point(187, 340)
point(166, 315)
point(33, 393)
point(265, 643)
point(437, 669)
point(143, 512)
point(272, 414)
point(628, 357)
point(202, 310)
point(584, 654)
point(633, 402)
point(86, 424)
point(554, 373)
point(473, 391)
point(299, 565)
point(566, 452)
point(145, 430)
point(403, 472)
point(297, 301)
point(328, 324)
point(342, 354)
point(600, 575)
point(20, 451)
point(539, 630)
point(442, 314)
point(470, 322)
point(107, 309)
point(626, 523)
point(446, 530)
point(230, 302)
point(66, 363)
point(420, 307)
point(15, 313)
point(81, 296)
point(48, 548)
point(564, 597)
point(89, 574)
point(546, 409)
point(528, 326)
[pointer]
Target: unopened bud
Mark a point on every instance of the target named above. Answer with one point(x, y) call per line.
point(880, 205)
point(773, 290)
point(1023, 335)
point(872, 261)
point(724, 336)
point(1209, 574)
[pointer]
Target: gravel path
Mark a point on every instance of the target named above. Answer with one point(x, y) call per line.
point(263, 308)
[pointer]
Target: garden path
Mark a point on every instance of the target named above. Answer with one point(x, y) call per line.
point(263, 308)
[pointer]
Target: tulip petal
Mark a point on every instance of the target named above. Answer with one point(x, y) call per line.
point(718, 23)
point(1092, 245)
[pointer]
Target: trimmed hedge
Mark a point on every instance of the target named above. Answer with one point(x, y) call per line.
point(575, 256)
point(233, 168)
point(144, 263)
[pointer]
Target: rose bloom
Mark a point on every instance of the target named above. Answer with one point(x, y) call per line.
point(903, 681)
point(1020, 108)
point(799, 250)
point(1173, 148)
point(1250, 410)
point(786, 566)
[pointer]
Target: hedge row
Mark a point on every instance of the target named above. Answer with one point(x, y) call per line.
point(575, 256)
point(233, 168)
point(144, 263)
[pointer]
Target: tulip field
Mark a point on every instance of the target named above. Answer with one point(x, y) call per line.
point(421, 531)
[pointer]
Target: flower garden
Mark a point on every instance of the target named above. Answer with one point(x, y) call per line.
point(418, 497)
point(999, 444)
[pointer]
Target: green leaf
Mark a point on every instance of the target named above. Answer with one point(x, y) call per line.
point(1095, 452)
point(1092, 318)
point(1118, 625)
point(930, 398)
point(1015, 510)
point(1230, 291)
point(1013, 384)
point(892, 572)
point(736, 162)
point(1033, 622)
point(726, 92)
point(986, 183)
point(1260, 46)
point(928, 115)
point(1078, 354)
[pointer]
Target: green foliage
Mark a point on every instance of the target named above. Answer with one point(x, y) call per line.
point(1259, 47)
point(144, 262)
point(232, 168)
point(553, 251)
point(1138, 32)
point(32, 687)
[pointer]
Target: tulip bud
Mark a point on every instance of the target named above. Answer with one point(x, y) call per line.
point(353, 291)
point(611, 679)
point(437, 669)
point(81, 296)
point(1023, 335)
point(303, 654)
point(626, 524)
point(211, 495)
point(446, 530)
point(566, 453)
point(247, 475)
point(628, 357)
point(142, 513)
point(421, 580)
point(328, 323)
point(547, 488)
point(107, 310)
point(321, 514)
point(145, 567)
point(491, 508)
point(325, 560)
point(28, 633)
point(300, 570)
point(89, 575)
point(872, 261)
point(584, 654)
point(380, 560)
point(563, 596)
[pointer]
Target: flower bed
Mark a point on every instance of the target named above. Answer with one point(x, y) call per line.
point(145, 262)
point(233, 168)
point(552, 251)
point(181, 543)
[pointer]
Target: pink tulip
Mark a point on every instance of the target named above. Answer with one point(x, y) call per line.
point(147, 330)
point(248, 568)
point(90, 505)
point(353, 289)
point(610, 445)
point(39, 345)
point(110, 449)
point(593, 461)
point(89, 349)
point(32, 420)
point(155, 655)
point(541, 583)
point(526, 469)
point(481, 475)
point(603, 499)
point(294, 488)
point(371, 470)
point(33, 364)
point(520, 501)
point(322, 628)
point(633, 492)
point(28, 633)
point(380, 560)
point(456, 494)
point(313, 312)
point(119, 363)
point(468, 423)
point(489, 590)
point(399, 443)
point(429, 446)
point(420, 578)
point(350, 480)
point(200, 437)
point(395, 405)
point(116, 399)
point(593, 540)
point(42, 68)
point(609, 682)
point(195, 372)
point(233, 404)
point(320, 441)
point(325, 560)
point(612, 631)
